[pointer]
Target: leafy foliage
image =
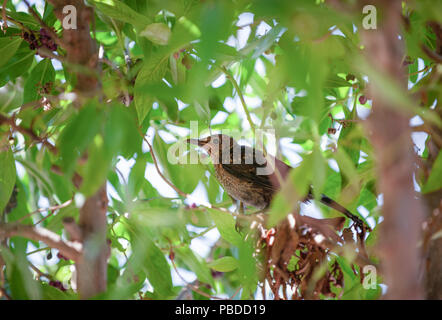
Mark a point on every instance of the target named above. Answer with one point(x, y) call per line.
point(300, 67)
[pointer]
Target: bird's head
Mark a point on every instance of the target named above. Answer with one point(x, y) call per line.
point(214, 144)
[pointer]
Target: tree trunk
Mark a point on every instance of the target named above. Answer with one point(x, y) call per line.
point(81, 50)
point(390, 134)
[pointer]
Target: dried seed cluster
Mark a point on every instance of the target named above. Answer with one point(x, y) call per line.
point(42, 39)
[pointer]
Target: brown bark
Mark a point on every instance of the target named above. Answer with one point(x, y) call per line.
point(70, 250)
point(390, 134)
point(433, 247)
point(82, 50)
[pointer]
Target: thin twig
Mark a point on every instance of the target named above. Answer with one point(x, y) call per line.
point(325, 36)
point(113, 67)
point(236, 292)
point(241, 97)
point(419, 71)
point(37, 250)
point(39, 272)
point(193, 287)
point(28, 132)
point(428, 129)
point(5, 19)
point(40, 210)
point(54, 36)
point(18, 23)
point(431, 54)
point(181, 193)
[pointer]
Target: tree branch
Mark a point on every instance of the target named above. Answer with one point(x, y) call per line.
point(27, 132)
point(71, 250)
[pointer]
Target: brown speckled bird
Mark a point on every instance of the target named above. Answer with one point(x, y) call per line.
point(244, 174)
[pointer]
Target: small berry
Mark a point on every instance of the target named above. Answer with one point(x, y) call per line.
point(57, 284)
point(408, 60)
point(186, 62)
point(43, 32)
point(216, 274)
point(62, 257)
point(362, 99)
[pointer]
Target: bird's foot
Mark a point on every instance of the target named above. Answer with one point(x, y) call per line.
point(361, 226)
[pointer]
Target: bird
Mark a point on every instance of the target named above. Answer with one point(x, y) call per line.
point(244, 173)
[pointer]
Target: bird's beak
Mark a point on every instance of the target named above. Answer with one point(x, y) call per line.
point(198, 142)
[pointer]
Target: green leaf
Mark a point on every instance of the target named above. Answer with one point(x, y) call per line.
point(346, 166)
point(247, 269)
point(41, 74)
point(351, 138)
point(41, 177)
point(21, 281)
point(17, 65)
point(319, 178)
point(260, 45)
point(334, 81)
point(155, 66)
point(332, 185)
point(121, 136)
point(8, 48)
point(224, 264)
point(136, 176)
point(195, 263)
point(255, 48)
point(434, 181)
point(150, 259)
point(226, 226)
point(158, 33)
point(7, 177)
point(157, 268)
point(97, 167)
point(185, 176)
point(22, 209)
point(120, 11)
point(77, 135)
point(291, 266)
point(152, 71)
point(246, 263)
point(295, 189)
point(51, 293)
point(24, 18)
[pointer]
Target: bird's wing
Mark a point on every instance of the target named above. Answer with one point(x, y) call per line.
point(251, 165)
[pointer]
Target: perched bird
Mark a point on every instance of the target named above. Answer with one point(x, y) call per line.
point(246, 176)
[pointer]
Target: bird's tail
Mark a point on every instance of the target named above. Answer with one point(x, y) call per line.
point(334, 205)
